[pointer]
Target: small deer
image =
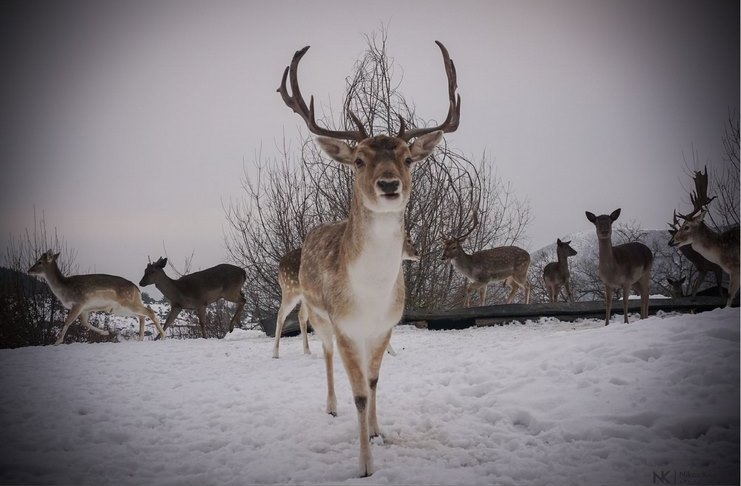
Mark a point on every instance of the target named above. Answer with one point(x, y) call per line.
point(677, 287)
point(623, 266)
point(351, 273)
point(719, 248)
point(702, 264)
point(288, 270)
point(83, 294)
point(197, 290)
point(508, 264)
point(556, 274)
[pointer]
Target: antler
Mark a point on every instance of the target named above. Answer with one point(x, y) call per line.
point(473, 225)
point(454, 110)
point(298, 105)
point(699, 197)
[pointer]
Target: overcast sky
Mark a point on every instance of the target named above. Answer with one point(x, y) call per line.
point(129, 123)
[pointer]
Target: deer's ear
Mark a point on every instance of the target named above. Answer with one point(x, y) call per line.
point(558, 241)
point(161, 263)
point(425, 144)
point(614, 215)
point(336, 149)
point(590, 216)
point(54, 257)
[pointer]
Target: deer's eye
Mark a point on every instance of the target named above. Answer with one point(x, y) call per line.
point(359, 163)
point(408, 161)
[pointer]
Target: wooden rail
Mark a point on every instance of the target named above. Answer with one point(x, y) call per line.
point(499, 314)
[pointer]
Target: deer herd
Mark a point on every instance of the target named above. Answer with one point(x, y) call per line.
point(348, 275)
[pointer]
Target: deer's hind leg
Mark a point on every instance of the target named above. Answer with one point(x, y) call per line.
point(86, 323)
point(287, 303)
point(240, 300)
point(303, 317)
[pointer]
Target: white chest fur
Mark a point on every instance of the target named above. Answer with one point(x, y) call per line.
point(373, 277)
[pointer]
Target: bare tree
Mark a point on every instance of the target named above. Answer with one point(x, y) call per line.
point(29, 313)
point(287, 197)
point(726, 181)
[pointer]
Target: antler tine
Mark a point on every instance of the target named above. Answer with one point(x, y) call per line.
point(452, 120)
point(298, 105)
point(699, 197)
point(473, 226)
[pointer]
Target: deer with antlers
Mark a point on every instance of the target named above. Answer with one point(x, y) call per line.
point(351, 278)
point(288, 269)
point(627, 266)
point(702, 264)
point(83, 294)
point(508, 264)
point(719, 248)
point(556, 274)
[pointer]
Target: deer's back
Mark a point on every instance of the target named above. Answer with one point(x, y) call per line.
point(206, 286)
point(97, 287)
point(501, 262)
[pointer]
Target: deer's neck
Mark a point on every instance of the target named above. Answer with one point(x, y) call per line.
point(167, 286)
point(563, 263)
point(706, 242)
point(464, 263)
point(606, 255)
point(374, 235)
point(55, 279)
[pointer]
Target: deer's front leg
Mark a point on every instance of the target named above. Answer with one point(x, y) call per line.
point(376, 356)
point(608, 304)
point(71, 316)
point(201, 311)
point(355, 367)
point(626, 294)
point(174, 312)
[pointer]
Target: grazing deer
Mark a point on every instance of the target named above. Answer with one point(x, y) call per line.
point(83, 294)
point(556, 274)
point(197, 290)
point(288, 268)
point(702, 264)
point(677, 287)
point(623, 266)
point(505, 263)
point(719, 248)
point(351, 276)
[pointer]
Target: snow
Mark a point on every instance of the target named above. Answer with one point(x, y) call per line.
point(547, 402)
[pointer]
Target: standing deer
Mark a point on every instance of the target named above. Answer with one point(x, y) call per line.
point(351, 276)
point(702, 264)
point(719, 248)
point(505, 263)
point(288, 269)
point(197, 290)
point(623, 266)
point(556, 274)
point(83, 294)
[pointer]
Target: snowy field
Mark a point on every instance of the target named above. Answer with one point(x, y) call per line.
point(549, 402)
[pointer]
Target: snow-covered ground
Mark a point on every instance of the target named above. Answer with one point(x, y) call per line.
point(548, 402)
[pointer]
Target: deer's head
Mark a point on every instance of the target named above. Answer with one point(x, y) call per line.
point(45, 262)
point(383, 163)
point(684, 235)
point(565, 248)
point(453, 245)
point(603, 223)
point(151, 272)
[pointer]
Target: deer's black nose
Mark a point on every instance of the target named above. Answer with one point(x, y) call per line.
point(388, 186)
